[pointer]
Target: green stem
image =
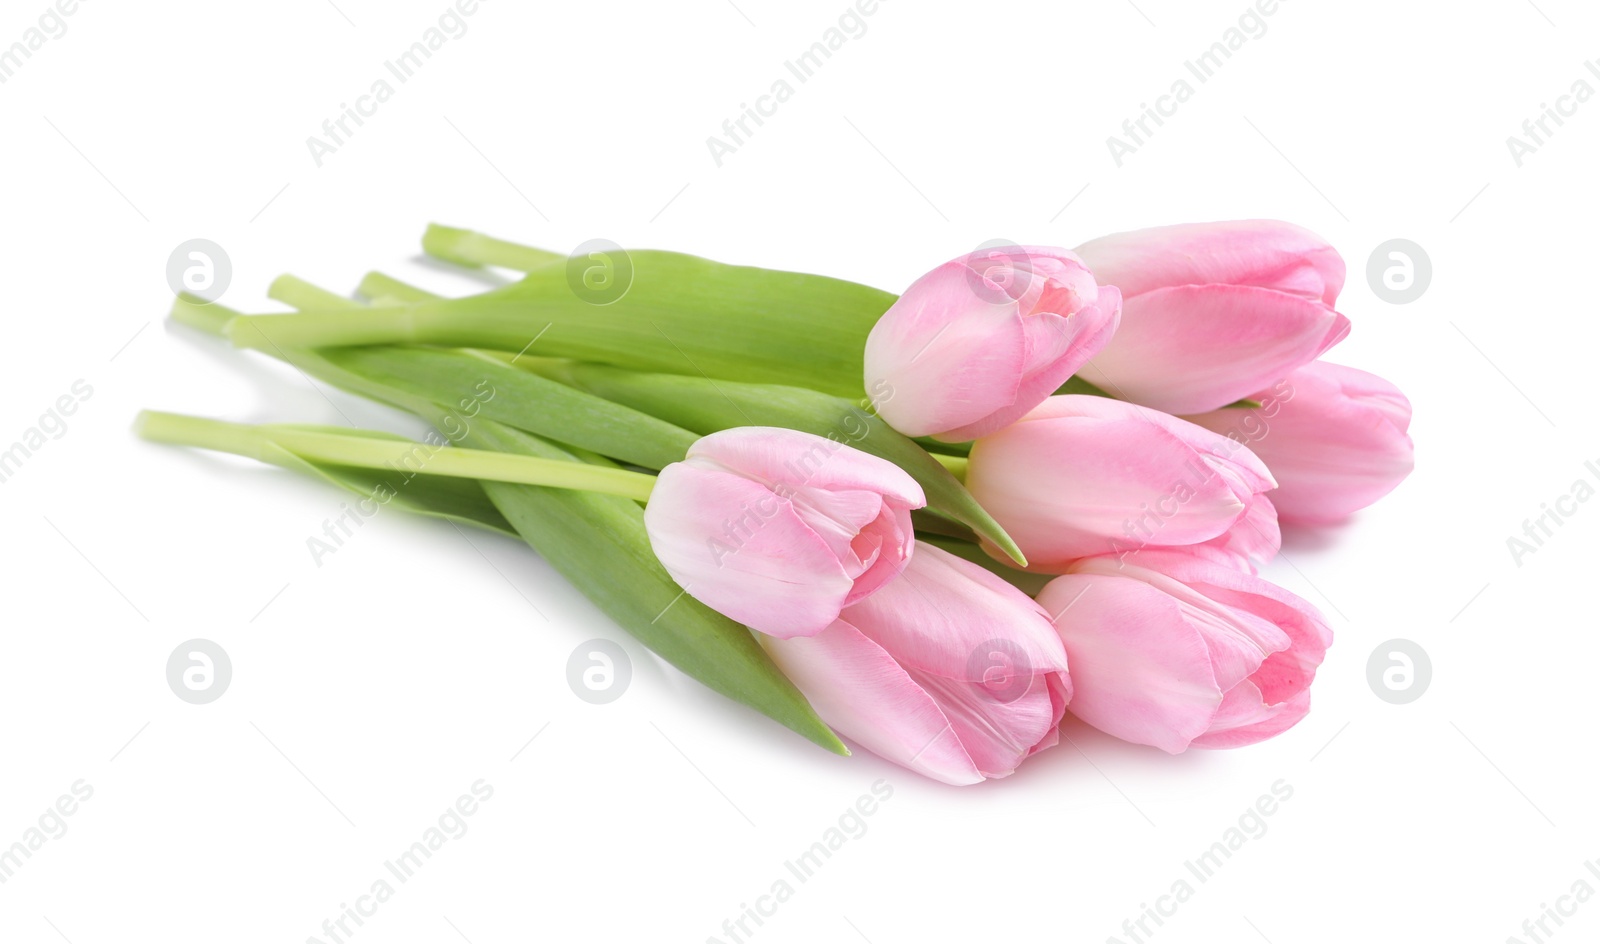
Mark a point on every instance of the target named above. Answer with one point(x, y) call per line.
point(955, 465)
point(396, 455)
point(202, 315)
point(465, 247)
point(314, 328)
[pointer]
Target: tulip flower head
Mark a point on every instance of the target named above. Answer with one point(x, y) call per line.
point(1081, 476)
point(981, 340)
point(781, 529)
point(1334, 437)
point(1214, 311)
point(1174, 650)
point(947, 670)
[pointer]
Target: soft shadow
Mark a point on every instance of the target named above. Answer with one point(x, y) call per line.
point(1302, 538)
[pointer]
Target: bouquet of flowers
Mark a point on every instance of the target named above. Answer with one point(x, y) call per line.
point(1039, 481)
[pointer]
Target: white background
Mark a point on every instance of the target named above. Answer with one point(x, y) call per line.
point(371, 691)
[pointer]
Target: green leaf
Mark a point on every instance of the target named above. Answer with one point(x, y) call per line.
point(472, 386)
point(705, 406)
point(467, 384)
point(680, 314)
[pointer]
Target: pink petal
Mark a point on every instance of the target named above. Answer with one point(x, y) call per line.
point(764, 567)
point(1193, 348)
point(1081, 476)
point(998, 733)
point(1245, 719)
point(860, 691)
point(1335, 438)
point(948, 356)
point(1264, 253)
point(1139, 670)
point(1286, 672)
point(774, 455)
point(939, 613)
point(1254, 539)
point(1057, 347)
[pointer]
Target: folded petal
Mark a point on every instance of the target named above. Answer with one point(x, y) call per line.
point(1245, 719)
point(997, 732)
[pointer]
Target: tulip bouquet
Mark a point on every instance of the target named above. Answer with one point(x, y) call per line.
point(1040, 481)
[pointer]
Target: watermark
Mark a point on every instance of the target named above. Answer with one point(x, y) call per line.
point(51, 824)
point(1552, 516)
point(1538, 930)
point(450, 825)
point(337, 131)
point(1399, 271)
point(999, 271)
point(851, 824)
point(1538, 130)
point(454, 425)
point(1001, 670)
point(1251, 825)
point(52, 24)
point(737, 131)
point(599, 272)
point(340, 528)
point(198, 671)
point(1398, 671)
point(1139, 530)
point(200, 268)
point(1137, 131)
point(598, 671)
point(1253, 424)
point(51, 425)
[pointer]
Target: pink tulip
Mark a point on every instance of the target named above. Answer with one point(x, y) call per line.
point(780, 529)
point(979, 341)
point(1334, 437)
point(1081, 476)
point(947, 670)
point(1172, 650)
point(1214, 311)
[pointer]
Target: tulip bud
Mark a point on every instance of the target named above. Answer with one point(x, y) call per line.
point(1214, 311)
point(981, 340)
point(1081, 476)
point(780, 529)
point(1172, 650)
point(1334, 437)
point(947, 670)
